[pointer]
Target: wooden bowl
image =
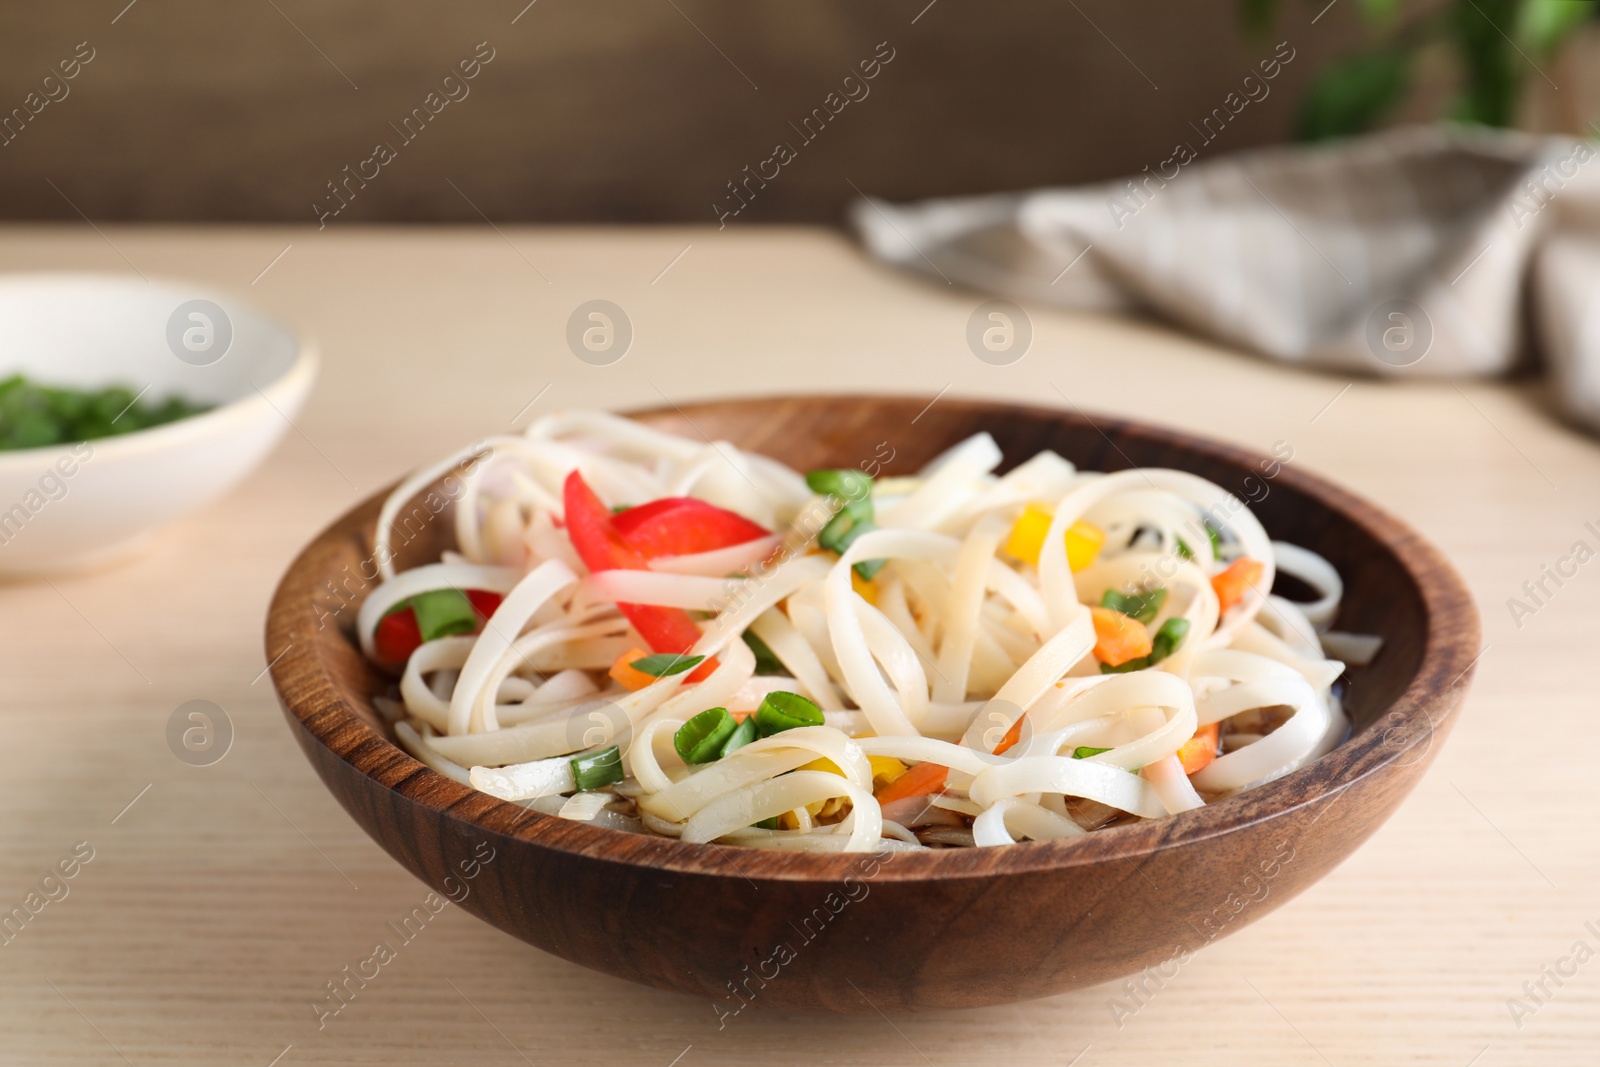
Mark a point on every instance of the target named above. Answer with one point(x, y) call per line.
point(940, 929)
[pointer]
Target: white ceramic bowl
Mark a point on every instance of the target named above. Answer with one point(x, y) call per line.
point(71, 507)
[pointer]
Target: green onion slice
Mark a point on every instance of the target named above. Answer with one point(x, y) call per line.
point(850, 485)
point(786, 711)
point(1167, 639)
point(1211, 535)
point(744, 734)
point(849, 523)
point(700, 740)
point(444, 613)
point(1085, 751)
point(665, 664)
point(766, 661)
point(768, 824)
point(869, 568)
point(1141, 606)
point(854, 517)
point(598, 769)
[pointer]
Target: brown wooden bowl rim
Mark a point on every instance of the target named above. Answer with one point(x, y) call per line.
point(1449, 656)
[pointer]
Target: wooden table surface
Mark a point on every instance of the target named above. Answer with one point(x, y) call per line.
point(221, 899)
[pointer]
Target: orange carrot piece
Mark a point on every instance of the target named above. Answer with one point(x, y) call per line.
point(1118, 638)
point(920, 780)
point(1012, 736)
point(1231, 584)
point(625, 674)
point(1198, 752)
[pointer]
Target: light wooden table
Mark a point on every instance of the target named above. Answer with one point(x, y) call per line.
point(218, 904)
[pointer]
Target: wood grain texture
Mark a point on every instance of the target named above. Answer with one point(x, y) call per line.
point(942, 929)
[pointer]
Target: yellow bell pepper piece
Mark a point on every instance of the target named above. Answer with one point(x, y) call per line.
point(1083, 539)
point(1083, 544)
point(868, 590)
point(885, 769)
point(1028, 533)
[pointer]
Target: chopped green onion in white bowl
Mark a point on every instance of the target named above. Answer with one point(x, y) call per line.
point(76, 505)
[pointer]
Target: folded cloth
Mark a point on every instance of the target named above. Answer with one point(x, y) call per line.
point(1416, 251)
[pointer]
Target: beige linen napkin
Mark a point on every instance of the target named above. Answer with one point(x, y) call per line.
point(1416, 251)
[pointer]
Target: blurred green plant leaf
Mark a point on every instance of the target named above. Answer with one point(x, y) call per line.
point(1350, 95)
point(1258, 15)
point(1379, 11)
point(1492, 40)
point(1543, 25)
point(1491, 75)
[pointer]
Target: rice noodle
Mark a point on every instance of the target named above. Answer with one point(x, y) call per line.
point(720, 562)
point(995, 825)
point(1356, 649)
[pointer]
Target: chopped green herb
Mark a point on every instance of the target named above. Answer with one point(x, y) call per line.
point(665, 664)
point(741, 736)
point(598, 769)
point(768, 824)
point(1085, 751)
point(443, 613)
point(786, 711)
point(1184, 551)
point(1141, 606)
point(34, 416)
point(620, 508)
point(766, 662)
point(701, 739)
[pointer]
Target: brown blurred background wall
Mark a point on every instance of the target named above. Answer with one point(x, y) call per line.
point(628, 110)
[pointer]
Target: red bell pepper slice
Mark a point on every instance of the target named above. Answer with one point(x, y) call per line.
point(629, 518)
point(602, 548)
point(398, 634)
point(683, 526)
point(484, 602)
